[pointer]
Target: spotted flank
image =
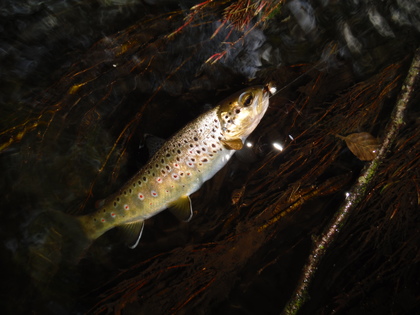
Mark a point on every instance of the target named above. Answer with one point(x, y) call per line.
point(180, 166)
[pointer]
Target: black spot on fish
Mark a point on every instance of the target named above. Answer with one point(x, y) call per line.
point(178, 151)
point(118, 199)
point(168, 155)
point(144, 178)
point(130, 190)
point(237, 111)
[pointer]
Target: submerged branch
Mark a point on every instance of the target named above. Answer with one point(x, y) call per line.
point(356, 194)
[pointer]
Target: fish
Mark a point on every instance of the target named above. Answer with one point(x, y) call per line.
point(178, 168)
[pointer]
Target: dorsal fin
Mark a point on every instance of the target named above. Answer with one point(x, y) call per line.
point(234, 144)
point(99, 203)
point(153, 143)
point(132, 232)
point(182, 208)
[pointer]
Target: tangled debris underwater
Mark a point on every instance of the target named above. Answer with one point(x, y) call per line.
point(262, 218)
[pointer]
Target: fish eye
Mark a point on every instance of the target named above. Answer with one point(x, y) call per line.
point(246, 99)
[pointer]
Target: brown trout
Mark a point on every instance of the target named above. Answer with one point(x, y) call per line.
point(179, 167)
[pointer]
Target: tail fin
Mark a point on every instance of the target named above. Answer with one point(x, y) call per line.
point(55, 239)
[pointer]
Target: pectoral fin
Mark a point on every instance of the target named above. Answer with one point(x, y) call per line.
point(234, 144)
point(132, 232)
point(182, 208)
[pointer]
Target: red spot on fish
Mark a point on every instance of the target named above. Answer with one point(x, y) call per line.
point(159, 180)
point(154, 193)
point(176, 165)
point(103, 220)
point(126, 207)
point(113, 214)
point(175, 176)
point(141, 196)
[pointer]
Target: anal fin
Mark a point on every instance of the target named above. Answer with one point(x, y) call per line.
point(182, 208)
point(132, 232)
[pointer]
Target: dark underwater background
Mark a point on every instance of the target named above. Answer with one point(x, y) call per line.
point(82, 82)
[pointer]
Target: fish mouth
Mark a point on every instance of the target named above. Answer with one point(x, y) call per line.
point(269, 89)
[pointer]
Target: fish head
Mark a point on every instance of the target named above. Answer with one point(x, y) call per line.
point(240, 113)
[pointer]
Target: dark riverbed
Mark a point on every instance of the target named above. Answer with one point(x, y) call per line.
point(82, 82)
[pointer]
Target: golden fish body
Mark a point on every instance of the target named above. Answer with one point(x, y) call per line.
point(181, 166)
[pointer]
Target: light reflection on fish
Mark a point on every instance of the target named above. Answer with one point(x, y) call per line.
point(178, 168)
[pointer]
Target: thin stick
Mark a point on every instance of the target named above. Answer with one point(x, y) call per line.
point(356, 194)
